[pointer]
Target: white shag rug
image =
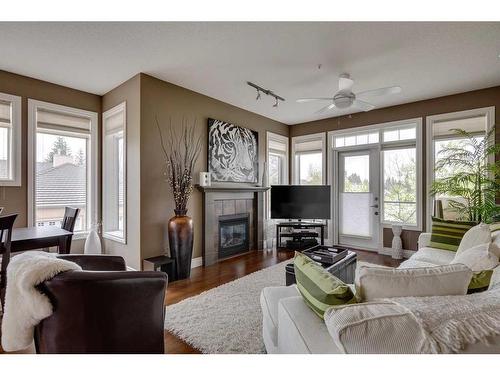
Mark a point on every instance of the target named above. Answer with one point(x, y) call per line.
point(226, 319)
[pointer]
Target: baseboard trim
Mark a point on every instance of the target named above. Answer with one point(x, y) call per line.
point(197, 262)
point(388, 251)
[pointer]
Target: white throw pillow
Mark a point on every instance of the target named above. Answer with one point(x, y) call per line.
point(375, 328)
point(477, 235)
point(479, 258)
point(375, 283)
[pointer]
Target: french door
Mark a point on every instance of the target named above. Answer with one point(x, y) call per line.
point(358, 176)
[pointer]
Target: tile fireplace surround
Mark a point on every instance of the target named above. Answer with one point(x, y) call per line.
point(231, 200)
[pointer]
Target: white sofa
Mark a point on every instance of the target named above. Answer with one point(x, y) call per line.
point(290, 327)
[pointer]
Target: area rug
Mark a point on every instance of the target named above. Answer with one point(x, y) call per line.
point(226, 319)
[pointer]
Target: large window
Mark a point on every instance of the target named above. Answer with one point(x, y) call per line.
point(440, 135)
point(10, 140)
point(114, 173)
point(63, 168)
point(309, 159)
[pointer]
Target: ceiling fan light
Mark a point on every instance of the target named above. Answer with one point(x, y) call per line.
point(343, 102)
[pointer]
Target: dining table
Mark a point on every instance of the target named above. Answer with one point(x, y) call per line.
point(32, 238)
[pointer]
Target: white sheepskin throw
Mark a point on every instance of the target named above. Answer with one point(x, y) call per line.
point(25, 306)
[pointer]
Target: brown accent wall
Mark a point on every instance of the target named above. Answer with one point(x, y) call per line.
point(169, 102)
point(14, 199)
point(129, 92)
point(452, 103)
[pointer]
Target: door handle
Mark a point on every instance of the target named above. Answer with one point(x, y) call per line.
point(375, 206)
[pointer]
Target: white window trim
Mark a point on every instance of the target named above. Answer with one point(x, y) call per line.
point(16, 126)
point(489, 112)
point(122, 107)
point(92, 172)
point(306, 138)
point(333, 160)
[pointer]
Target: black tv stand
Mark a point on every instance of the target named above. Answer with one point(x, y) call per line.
point(300, 239)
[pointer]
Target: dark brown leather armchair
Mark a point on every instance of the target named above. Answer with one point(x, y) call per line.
point(115, 311)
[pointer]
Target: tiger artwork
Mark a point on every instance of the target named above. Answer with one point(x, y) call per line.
point(232, 152)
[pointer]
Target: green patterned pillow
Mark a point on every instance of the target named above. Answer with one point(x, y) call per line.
point(480, 281)
point(319, 288)
point(447, 234)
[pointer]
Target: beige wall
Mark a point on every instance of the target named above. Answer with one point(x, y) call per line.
point(129, 92)
point(452, 103)
point(14, 199)
point(168, 101)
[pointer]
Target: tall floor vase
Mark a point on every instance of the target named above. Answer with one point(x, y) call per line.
point(180, 239)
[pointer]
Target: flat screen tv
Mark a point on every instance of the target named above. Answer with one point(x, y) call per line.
point(300, 202)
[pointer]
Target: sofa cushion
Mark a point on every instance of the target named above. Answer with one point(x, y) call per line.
point(475, 236)
point(436, 257)
point(479, 258)
point(301, 331)
point(447, 234)
point(319, 288)
point(375, 283)
point(412, 263)
point(375, 327)
point(269, 299)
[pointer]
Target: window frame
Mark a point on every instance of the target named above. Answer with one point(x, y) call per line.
point(92, 160)
point(304, 139)
point(16, 137)
point(122, 107)
point(488, 112)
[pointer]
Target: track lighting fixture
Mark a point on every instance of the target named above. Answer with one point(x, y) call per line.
point(260, 90)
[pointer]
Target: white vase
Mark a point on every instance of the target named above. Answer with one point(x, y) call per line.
point(397, 244)
point(93, 243)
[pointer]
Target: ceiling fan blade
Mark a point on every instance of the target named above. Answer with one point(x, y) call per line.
point(380, 92)
point(326, 108)
point(305, 100)
point(363, 105)
point(345, 84)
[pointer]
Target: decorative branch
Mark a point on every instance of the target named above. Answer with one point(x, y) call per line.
point(181, 151)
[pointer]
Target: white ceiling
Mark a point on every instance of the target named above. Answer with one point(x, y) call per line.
point(216, 59)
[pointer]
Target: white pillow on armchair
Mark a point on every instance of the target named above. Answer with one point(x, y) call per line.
point(480, 234)
point(479, 258)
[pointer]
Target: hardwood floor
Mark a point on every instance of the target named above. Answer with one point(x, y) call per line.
point(205, 278)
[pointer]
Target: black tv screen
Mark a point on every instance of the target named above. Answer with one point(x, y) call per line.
point(300, 202)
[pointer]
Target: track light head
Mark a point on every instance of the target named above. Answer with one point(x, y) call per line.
point(276, 103)
point(258, 95)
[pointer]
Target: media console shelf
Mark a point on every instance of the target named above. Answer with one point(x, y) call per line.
point(299, 237)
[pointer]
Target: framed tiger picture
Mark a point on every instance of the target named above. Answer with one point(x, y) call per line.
point(233, 152)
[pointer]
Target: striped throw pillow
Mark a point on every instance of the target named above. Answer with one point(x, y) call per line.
point(447, 234)
point(319, 288)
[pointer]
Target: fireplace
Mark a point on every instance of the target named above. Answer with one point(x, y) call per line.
point(234, 235)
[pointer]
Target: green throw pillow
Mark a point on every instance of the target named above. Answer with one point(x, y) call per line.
point(447, 234)
point(480, 281)
point(319, 288)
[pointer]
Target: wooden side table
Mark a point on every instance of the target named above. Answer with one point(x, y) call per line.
point(161, 263)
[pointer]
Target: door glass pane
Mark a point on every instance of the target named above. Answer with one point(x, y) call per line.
point(357, 174)
point(310, 168)
point(400, 186)
point(61, 178)
point(356, 216)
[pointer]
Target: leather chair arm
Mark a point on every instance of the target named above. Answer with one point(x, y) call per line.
point(96, 262)
point(104, 312)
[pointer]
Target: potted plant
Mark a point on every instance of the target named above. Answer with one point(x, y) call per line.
point(474, 177)
point(181, 150)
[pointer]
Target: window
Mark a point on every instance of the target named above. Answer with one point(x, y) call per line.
point(309, 159)
point(357, 174)
point(63, 164)
point(356, 139)
point(440, 134)
point(277, 159)
point(10, 140)
point(114, 173)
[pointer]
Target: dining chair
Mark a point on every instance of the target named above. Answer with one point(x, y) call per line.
point(68, 223)
point(6, 225)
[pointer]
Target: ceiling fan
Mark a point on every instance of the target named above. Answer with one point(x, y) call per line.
point(345, 98)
